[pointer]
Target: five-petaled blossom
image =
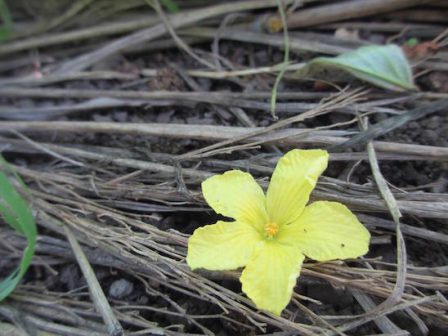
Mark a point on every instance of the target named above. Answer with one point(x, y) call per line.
point(272, 234)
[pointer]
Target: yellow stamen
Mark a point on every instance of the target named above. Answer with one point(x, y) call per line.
point(271, 230)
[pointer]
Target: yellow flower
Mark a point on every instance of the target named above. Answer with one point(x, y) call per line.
point(272, 234)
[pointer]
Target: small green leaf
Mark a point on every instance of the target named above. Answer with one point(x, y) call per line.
point(383, 66)
point(5, 16)
point(170, 5)
point(17, 214)
point(412, 42)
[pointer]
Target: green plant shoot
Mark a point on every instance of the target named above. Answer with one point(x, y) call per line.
point(15, 211)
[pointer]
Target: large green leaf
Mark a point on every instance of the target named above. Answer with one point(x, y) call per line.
point(383, 66)
point(17, 214)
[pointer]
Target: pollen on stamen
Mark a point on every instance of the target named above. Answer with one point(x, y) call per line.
point(271, 230)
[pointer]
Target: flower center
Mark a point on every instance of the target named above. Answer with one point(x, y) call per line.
point(270, 230)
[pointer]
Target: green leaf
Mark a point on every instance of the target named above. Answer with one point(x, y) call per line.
point(170, 5)
point(17, 214)
point(412, 42)
point(383, 66)
point(5, 16)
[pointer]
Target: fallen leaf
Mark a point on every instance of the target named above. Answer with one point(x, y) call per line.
point(383, 66)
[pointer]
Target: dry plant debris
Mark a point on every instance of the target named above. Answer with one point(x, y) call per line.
point(114, 112)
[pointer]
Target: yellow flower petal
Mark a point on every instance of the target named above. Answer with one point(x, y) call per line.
point(271, 274)
point(293, 180)
point(237, 195)
point(222, 246)
point(327, 231)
